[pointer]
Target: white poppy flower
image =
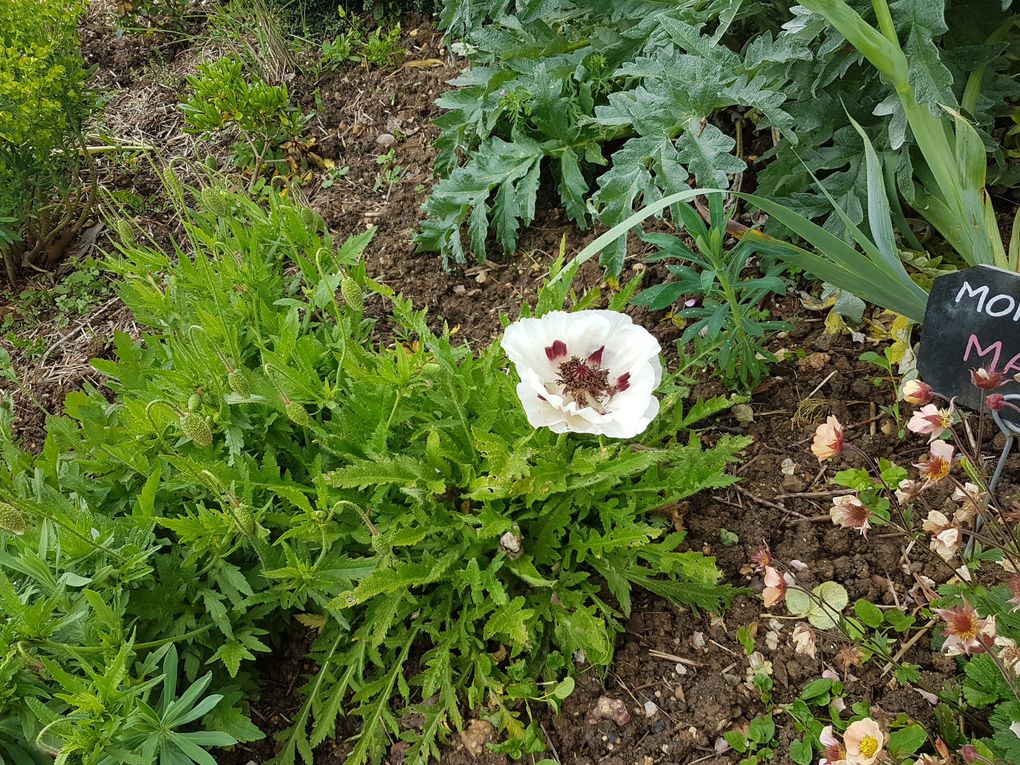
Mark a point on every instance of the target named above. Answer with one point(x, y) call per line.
point(585, 372)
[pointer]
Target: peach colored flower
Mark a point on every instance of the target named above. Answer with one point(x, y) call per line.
point(776, 584)
point(945, 540)
point(849, 512)
point(828, 441)
point(937, 463)
point(917, 393)
point(966, 632)
point(931, 421)
point(863, 741)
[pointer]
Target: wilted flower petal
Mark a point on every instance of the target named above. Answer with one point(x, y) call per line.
point(849, 512)
point(971, 499)
point(804, 640)
point(945, 538)
point(828, 440)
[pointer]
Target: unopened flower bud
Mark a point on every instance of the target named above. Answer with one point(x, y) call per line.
point(197, 429)
point(917, 393)
point(297, 414)
point(11, 519)
point(244, 519)
point(352, 293)
point(239, 383)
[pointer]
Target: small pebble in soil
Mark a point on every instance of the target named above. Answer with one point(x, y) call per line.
point(793, 484)
point(609, 709)
point(478, 734)
point(385, 139)
point(651, 709)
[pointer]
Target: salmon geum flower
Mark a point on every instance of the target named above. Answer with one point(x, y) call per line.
point(585, 372)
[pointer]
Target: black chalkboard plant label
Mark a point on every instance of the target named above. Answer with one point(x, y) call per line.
point(972, 322)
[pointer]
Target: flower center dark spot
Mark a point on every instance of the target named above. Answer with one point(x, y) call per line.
point(584, 381)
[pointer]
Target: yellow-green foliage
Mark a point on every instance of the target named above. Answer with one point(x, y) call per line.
point(42, 97)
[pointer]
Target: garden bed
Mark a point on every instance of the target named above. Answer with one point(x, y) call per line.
point(682, 676)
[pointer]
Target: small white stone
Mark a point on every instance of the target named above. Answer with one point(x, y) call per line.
point(651, 709)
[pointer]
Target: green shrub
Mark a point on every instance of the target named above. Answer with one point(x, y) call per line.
point(260, 115)
point(380, 48)
point(43, 107)
point(152, 16)
point(263, 465)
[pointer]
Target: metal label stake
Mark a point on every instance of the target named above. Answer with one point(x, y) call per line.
point(1010, 430)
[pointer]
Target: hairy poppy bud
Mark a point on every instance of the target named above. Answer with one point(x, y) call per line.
point(239, 383)
point(352, 293)
point(197, 429)
point(11, 519)
point(297, 414)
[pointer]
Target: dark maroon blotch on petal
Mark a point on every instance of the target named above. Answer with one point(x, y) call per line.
point(595, 357)
point(623, 382)
point(557, 349)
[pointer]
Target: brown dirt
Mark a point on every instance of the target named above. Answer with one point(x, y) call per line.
point(355, 106)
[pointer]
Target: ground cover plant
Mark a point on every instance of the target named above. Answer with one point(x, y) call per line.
point(973, 532)
point(265, 467)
